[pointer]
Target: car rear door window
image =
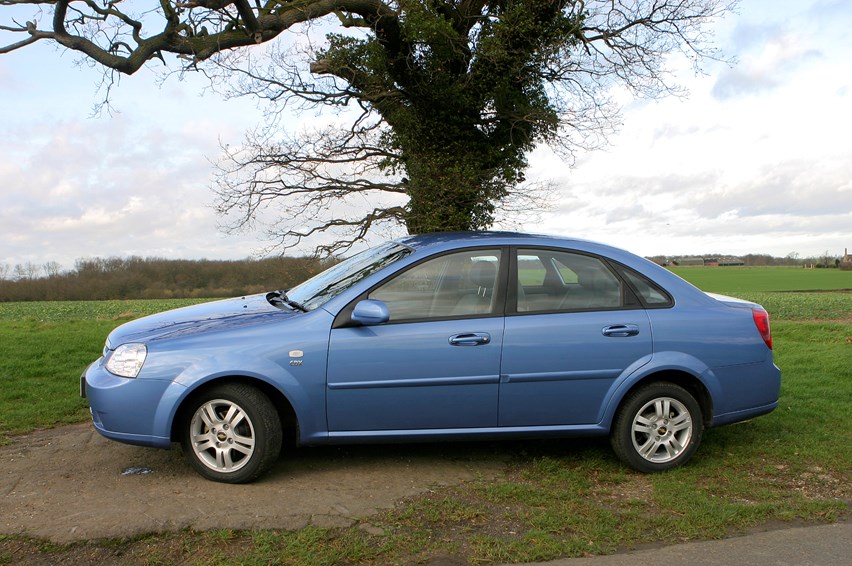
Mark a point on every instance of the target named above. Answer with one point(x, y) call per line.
point(554, 281)
point(652, 295)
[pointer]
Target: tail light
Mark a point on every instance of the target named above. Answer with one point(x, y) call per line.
point(761, 321)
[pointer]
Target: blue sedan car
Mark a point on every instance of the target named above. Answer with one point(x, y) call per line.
point(443, 336)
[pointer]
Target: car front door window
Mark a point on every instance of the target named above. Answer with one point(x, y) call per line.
point(453, 285)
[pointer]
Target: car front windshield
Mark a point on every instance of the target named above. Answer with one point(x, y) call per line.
point(323, 287)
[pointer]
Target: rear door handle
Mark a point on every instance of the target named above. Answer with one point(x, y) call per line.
point(620, 330)
point(470, 339)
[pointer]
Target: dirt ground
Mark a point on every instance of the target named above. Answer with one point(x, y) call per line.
point(70, 484)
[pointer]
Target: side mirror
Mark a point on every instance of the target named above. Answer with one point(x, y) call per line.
point(369, 312)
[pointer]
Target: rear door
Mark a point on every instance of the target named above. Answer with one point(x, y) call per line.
point(572, 328)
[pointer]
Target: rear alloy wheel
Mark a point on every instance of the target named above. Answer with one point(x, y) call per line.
point(231, 434)
point(658, 427)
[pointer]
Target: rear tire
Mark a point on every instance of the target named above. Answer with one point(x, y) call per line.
point(658, 427)
point(231, 433)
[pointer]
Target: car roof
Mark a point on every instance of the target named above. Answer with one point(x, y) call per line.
point(484, 237)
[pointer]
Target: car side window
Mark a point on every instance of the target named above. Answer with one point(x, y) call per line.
point(531, 269)
point(651, 294)
point(565, 281)
point(451, 285)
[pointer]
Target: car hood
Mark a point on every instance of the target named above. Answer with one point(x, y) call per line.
point(214, 316)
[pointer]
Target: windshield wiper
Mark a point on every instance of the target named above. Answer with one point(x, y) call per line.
point(278, 298)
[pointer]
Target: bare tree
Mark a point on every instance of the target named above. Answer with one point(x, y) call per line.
point(25, 271)
point(446, 97)
point(52, 268)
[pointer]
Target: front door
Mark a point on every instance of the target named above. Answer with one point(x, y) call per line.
point(436, 363)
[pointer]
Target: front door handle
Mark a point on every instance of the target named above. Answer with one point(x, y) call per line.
point(470, 339)
point(620, 330)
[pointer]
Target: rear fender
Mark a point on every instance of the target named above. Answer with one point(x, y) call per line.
point(661, 362)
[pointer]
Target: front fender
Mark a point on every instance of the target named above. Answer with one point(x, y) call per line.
point(305, 392)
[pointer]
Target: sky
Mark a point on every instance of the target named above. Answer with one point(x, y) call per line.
point(756, 159)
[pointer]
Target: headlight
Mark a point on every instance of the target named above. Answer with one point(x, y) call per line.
point(127, 360)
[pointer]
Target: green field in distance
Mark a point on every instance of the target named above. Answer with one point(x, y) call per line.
point(731, 280)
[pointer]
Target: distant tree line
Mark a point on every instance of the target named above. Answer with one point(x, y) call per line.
point(153, 278)
point(824, 260)
point(157, 278)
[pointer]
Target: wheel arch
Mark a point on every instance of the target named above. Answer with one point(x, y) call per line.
point(689, 381)
point(286, 413)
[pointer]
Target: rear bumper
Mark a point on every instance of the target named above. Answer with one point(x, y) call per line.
point(737, 416)
point(755, 388)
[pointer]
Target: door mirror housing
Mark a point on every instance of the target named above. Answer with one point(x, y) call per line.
point(370, 312)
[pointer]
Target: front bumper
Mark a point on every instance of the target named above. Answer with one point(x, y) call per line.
point(131, 410)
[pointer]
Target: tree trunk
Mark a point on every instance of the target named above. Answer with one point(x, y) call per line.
point(449, 193)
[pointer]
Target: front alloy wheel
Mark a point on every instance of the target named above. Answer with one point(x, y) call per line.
point(658, 427)
point(232, 433)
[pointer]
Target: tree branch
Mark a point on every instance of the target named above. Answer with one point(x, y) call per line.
point(184, 30)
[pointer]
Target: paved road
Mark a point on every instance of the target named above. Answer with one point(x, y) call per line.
point(824, 545)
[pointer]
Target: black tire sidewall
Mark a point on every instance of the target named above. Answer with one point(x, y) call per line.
point(621, 436)
point(267, 431)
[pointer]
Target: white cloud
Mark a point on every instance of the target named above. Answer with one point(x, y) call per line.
point(765, 168)
point(756, 159)
point(82, 187)
point(767, 66)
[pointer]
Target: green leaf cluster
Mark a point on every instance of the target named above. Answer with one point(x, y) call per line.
point(464, 94)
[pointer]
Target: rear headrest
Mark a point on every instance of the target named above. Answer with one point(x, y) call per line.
point(595, 279)
point(483, 273)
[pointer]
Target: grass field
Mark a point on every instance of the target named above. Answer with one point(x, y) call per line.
point(733, 280)
point(557, 498)
point(45, 346)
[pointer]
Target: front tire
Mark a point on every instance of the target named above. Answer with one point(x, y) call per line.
point(658, 427)
point(231, 433)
